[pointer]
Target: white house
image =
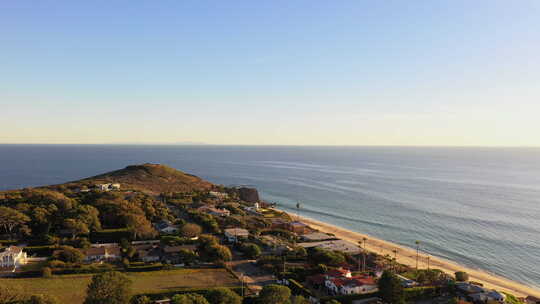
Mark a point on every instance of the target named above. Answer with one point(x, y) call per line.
point(12, 256)
point(167, 227)
point(233, 234)
point(341, 281)
point(219, 195)
point(98, 254)
point(214, 211)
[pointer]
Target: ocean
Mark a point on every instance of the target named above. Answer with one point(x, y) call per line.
point(479, 207)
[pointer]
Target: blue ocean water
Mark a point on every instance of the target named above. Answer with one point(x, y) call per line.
point(477, 206)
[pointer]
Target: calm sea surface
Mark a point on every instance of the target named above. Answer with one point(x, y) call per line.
point(476, 206)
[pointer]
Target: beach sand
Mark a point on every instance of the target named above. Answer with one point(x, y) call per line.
point(407, 256)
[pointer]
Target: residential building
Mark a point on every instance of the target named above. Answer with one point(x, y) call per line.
point(219, 195)
point(298, 228)
point(334, 245)
point(341, 282)
point(102, 254)
point(166, 227)
point(108, 186)
point(317, 236)
point(278, 223)
point(234, 234)
point(148, 252)
point(173, 254)
point(12, 256)
point(214, 211)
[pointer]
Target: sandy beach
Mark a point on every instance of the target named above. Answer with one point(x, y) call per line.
point(407, 256)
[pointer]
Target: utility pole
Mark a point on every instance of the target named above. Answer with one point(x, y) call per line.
point(428, 262)
point(395, 259)
point(242, 282)
point(358, 260)
point(417, 252)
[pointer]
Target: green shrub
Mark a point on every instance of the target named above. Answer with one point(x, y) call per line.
point(46, 272)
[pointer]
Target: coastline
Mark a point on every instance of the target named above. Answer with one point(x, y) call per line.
point(407, 256)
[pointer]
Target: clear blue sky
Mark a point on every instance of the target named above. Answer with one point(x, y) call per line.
point(271, 72)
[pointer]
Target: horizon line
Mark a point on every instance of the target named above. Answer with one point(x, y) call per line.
point(260, 145)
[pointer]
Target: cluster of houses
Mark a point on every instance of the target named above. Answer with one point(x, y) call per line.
point(342, 282)
point(12, 256)
point(477, 294)
point(147, 251)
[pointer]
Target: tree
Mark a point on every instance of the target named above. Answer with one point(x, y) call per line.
point(323, 256)
point(189, 298)
point(191, 230)
point(274, 294)
point(219, 253)
point(109, 288)
point(223, 295)
point(139, 226)
point(46, 272)
point(90, 216)
point(462, 276)
point(251, 250)
point(10, 219)
point(76, 227)
point(391, 289)
point(69, 254)
point(299, 300)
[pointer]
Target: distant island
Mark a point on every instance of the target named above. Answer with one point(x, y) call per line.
point(152, 234)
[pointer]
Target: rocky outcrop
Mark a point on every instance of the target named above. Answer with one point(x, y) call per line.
point(250, 195)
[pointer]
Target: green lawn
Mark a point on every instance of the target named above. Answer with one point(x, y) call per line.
point(72, 288)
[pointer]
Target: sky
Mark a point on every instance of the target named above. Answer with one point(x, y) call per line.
point(413, 73)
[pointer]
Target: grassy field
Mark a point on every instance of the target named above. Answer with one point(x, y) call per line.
point(72, 288)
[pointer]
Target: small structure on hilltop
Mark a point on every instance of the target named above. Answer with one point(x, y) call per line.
point(12, 256)
point(108, 186)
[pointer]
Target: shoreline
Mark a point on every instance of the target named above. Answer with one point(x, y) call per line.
point(407, 256)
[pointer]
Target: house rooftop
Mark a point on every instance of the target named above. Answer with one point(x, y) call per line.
point(237, 231)
point(317, 236)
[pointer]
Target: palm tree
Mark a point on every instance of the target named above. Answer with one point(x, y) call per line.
point(364, 251)
point(417, 252)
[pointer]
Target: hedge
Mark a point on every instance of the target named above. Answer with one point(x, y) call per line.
point(40, 251)
point(110, 235)
point(169, 294)
point(348, 299)
point(299, 289)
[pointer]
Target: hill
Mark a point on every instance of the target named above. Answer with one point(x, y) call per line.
point(152, 178)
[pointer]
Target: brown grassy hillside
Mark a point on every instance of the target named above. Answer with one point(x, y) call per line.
point(154, 178)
